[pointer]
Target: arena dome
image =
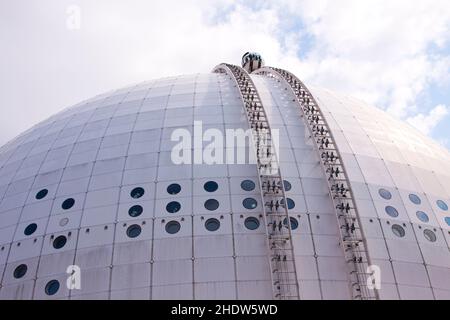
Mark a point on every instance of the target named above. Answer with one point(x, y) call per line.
point(355, 206)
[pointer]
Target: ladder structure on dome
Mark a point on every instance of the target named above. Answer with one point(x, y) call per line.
point(351, 235)
point(275, 209)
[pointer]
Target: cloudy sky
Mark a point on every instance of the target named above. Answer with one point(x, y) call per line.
point(393, 54)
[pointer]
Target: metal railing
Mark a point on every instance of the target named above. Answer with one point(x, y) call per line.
point(351, 235)
point(275, 207)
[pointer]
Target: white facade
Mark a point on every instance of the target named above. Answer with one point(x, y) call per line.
point(101, 151)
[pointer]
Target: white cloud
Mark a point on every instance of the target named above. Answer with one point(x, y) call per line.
point(426, 122)
point(374, 49)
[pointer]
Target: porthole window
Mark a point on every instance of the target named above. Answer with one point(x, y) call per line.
point(135, 211)
point(173, 207)
point(59, 242)
point(134, 231)
point(173, 227)
point(385, 194)
point(447, 220)
point(251, 223)
point(250, 203)
point(136, 193)
point(442, 205)
point(391, 211)
point(173, 189)
point(287, 185)
point(41, 194)
point(415, 199)
point(248, 185)
point(294, 223)
point(212, 204)
point(422, 216)
point(30, 229)
point(429, 235)
point(290, 202)
point(68, 203)
point(398, 230)
point(212, 224)
point(20, 271)
point(52, 287)
point(211, 186)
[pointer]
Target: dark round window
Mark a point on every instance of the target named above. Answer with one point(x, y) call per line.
point(173, 227)
point(173, 207)
point(248, 185)
point(291, 203)
point(429, 235)
point(422, 216)
point(447, 220)
point(41, 194)
point(294, 223)
point(133, 231)
point(391, 211)
point(385, 194)
point(52, 287)
point(20, 271)
point(250, 203)
point(30, 229)
point(251, 223)
point(398, 230)
point(212, 224)
point(211, 204)
point(135, 211)
point(415, 199)
point(211, 186)
point(287, 185)
point(136, 193)
point(442, 205)
point(59, 242)
point(68, 203)
point(173, 189)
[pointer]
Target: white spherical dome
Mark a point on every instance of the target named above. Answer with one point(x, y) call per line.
point(94, 187)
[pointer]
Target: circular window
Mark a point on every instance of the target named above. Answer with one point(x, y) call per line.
point(68, 203)
point(447, 220)
point(391, 211)
point(294, 223)
point(211, 186)
point(415, 199)
point(134, 231)
point(442, 205)
point(248, 185)
point(212, 224)
point(20, 271)
point(135, 211)
point(41, 194)
point(136, 193)
point(385, 194)
point(422, 216)
point(173, 189)
point(429, 235)
point(251, 223)
point(287, 185)
point(52, 287)
point(250, 203)
point(291, 203)
point(398, 230)
point(173, 207)
point(212, 204)
point(59, 242)
point(63, 222)
point(173, 227)
point(30, 229)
